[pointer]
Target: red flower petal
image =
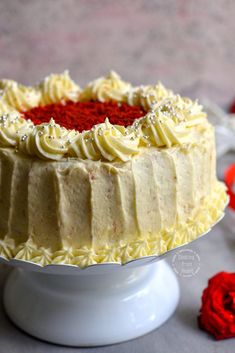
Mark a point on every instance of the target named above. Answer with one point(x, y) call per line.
point(217, 313)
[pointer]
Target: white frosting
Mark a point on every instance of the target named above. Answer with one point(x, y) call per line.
point(6, 247)
point(104, 89)
point(11, 126)
point(26, 251)
point(146, 96)
point(5, 108)
point(56, 88)
point(85, 257)
point(170, 122)
point(20, 97)
point(105, 141)
point(47, 141)
point(63, 256)
point(42, 257)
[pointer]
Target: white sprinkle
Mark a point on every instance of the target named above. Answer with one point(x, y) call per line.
point(24, 137)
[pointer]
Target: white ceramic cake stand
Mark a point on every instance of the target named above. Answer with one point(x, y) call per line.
point(99, 305)
point(92, 309)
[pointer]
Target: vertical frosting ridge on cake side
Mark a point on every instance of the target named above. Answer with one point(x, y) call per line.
point(211, 210)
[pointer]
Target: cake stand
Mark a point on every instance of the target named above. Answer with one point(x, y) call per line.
point(99, 305)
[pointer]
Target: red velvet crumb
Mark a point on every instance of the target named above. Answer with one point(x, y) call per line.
point(83, 115)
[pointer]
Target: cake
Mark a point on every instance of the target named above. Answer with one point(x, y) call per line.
point(107, 173)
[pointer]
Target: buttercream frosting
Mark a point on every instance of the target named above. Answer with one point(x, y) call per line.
point(18, 96)
point(108, 88)
point(42, 257)
point(5, 108)
point(63, 256)
point(170, 122)
point(7, 246)
point(11, 126)
point(47, 140)
point(26, 251)
point(105, 141)
point(146, 96)
point(58, 87)
point(111, 193)
point(211, 210)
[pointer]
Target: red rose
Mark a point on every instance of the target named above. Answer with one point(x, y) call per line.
point(229, 178)
point(217, 314)
point(232, 107)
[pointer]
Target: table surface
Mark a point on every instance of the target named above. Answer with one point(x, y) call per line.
point(180, 334)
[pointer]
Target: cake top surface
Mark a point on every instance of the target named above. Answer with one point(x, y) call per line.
point(107, 120)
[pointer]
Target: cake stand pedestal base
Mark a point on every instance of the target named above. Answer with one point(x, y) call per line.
point(93, 309)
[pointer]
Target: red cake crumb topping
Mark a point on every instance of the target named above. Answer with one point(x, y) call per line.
point(83, 115)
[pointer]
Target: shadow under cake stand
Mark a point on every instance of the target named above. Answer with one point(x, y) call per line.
point(99, 305)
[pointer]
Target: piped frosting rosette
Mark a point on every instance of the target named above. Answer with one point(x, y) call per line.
point(105, 141)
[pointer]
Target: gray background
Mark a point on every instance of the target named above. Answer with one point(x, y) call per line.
point(189, 45)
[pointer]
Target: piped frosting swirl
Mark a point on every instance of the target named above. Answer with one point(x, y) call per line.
point(146, 96)
point(170, 121)
point(56, 88)
point(18, 96)
point(11, 126)
point(47, 141)
point(104, 89)
point(105, 141)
